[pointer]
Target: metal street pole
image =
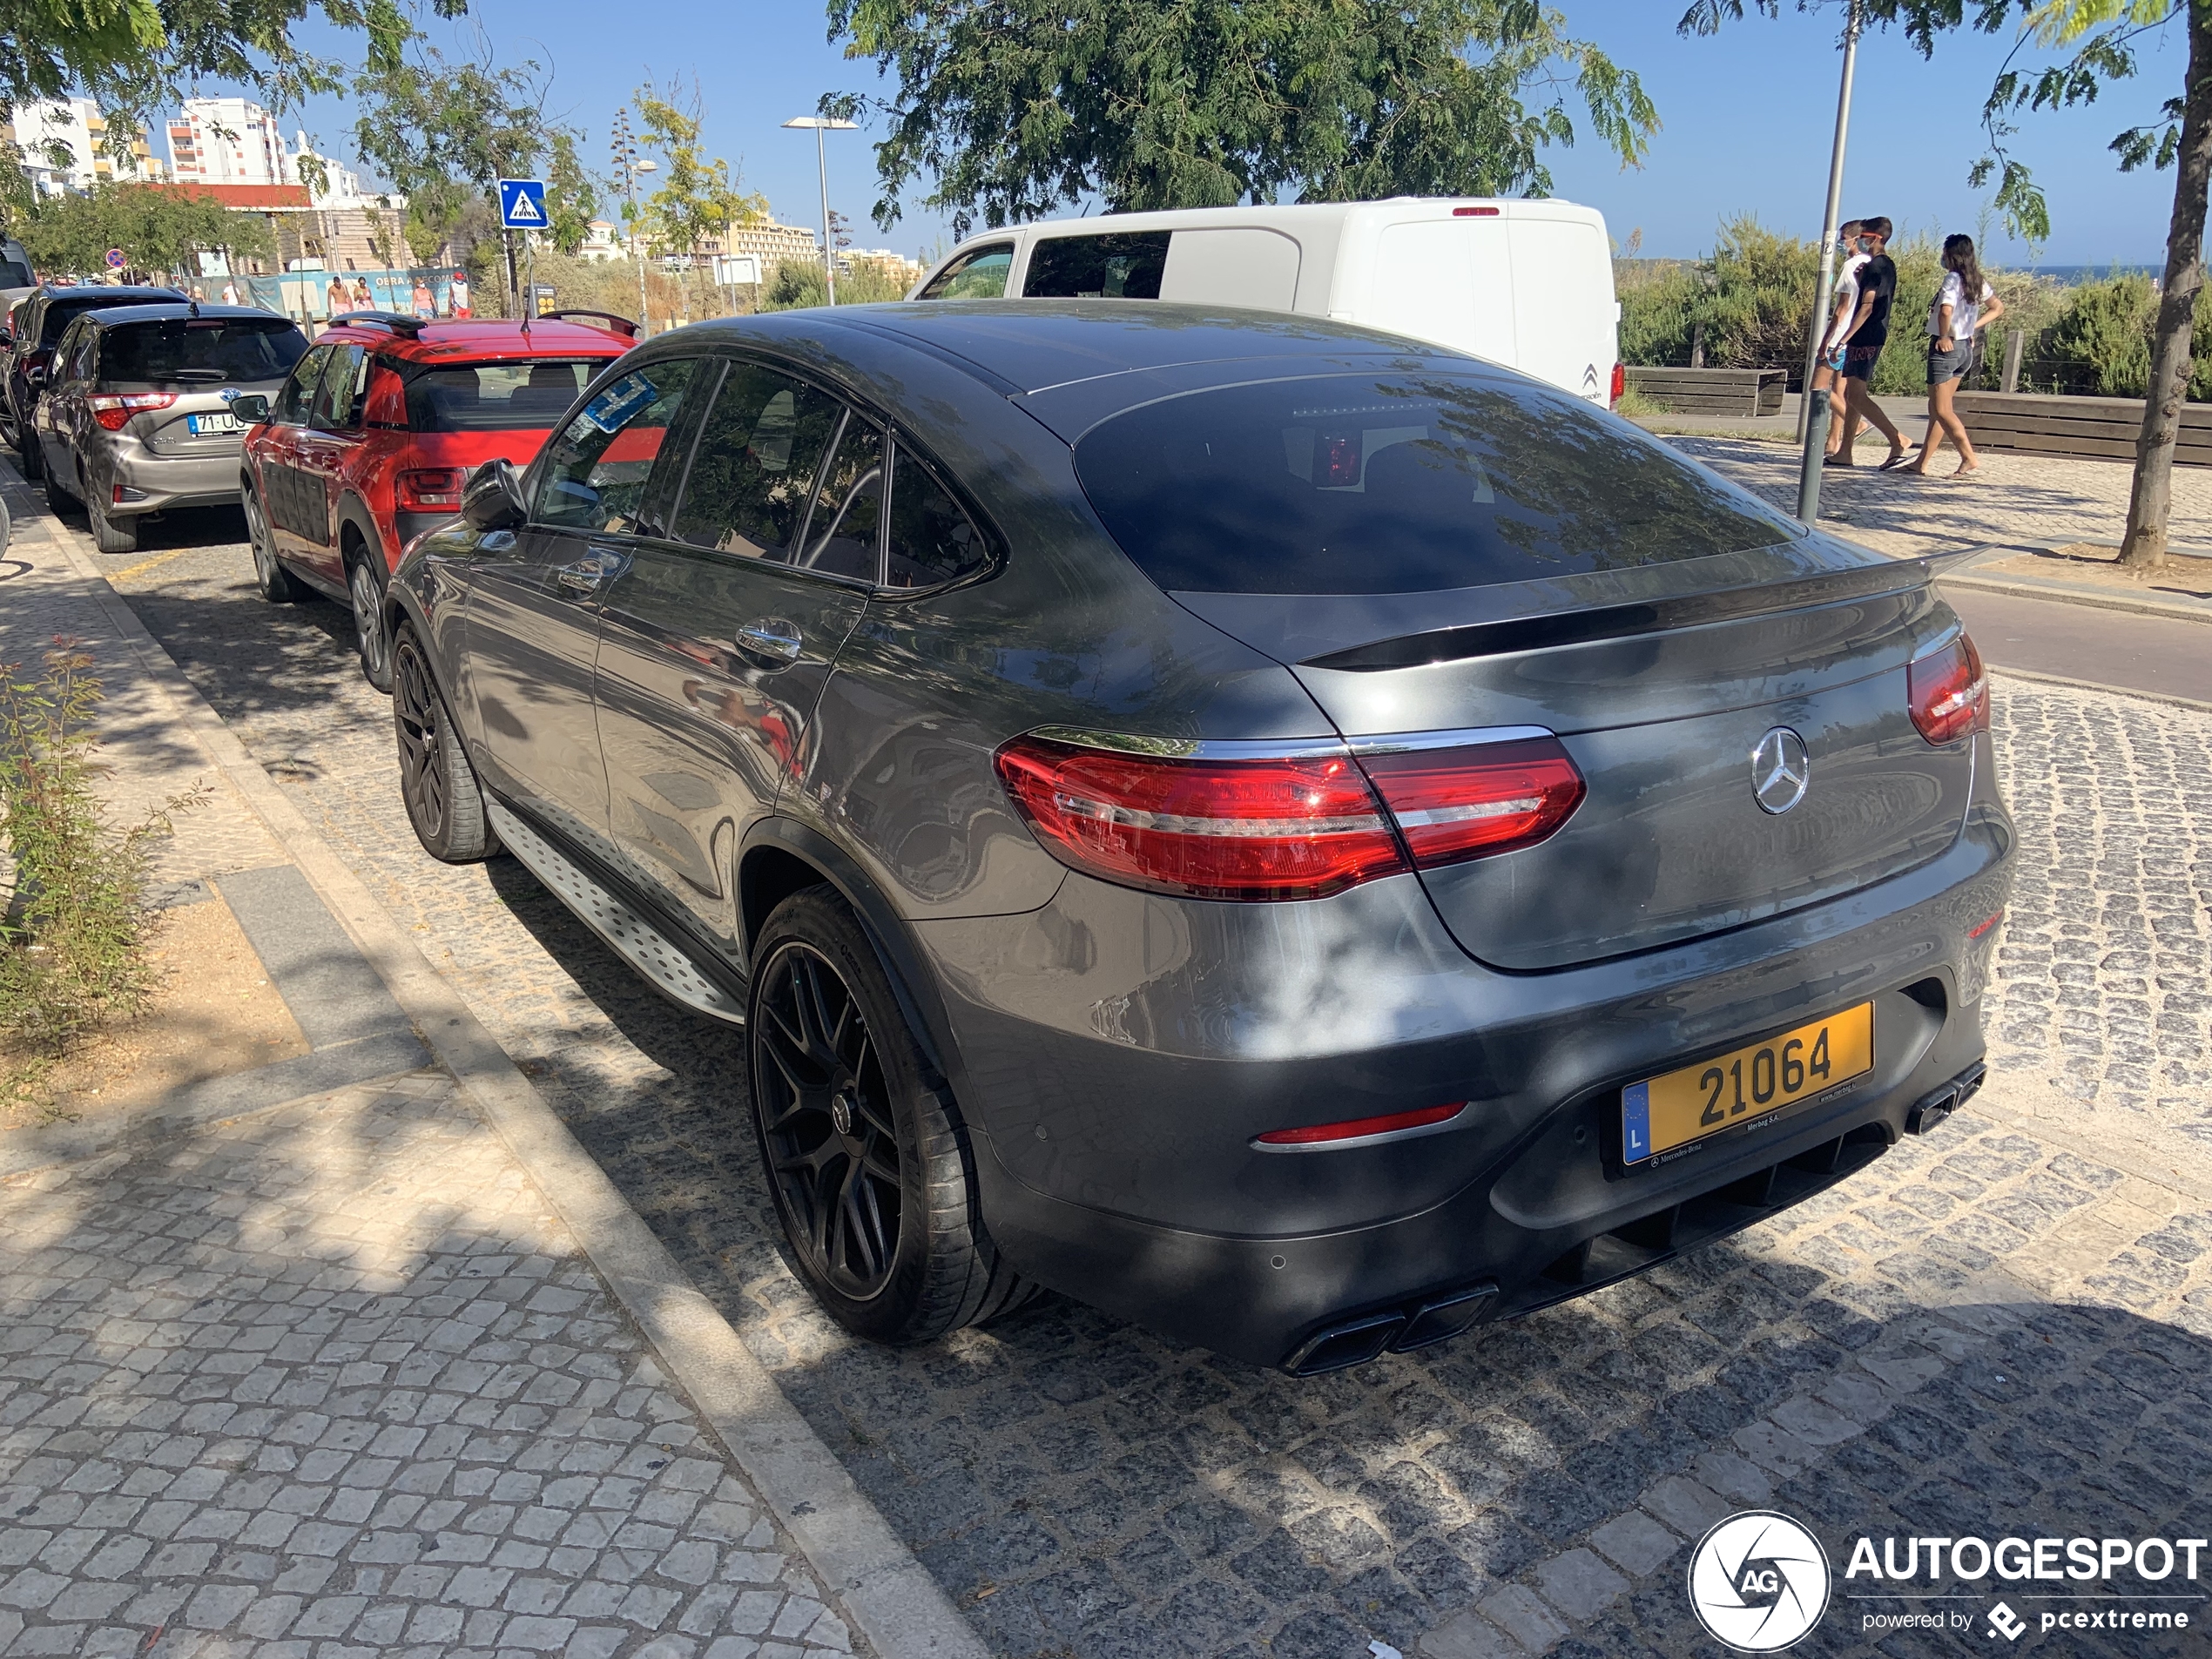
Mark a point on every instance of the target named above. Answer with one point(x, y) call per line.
point(822, 124)
point(1852, 22)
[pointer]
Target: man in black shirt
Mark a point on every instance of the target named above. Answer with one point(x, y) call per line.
point(1869, 332)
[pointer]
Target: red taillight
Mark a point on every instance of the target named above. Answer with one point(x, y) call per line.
point(1360, 1129)
point(429, 489)
point(1949, 691)
point(1288, 829)
point(114, 410)
point(1620, 381)
point(1474, 212)
point(1457, 804)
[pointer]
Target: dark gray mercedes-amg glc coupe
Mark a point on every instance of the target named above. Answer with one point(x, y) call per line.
point(1291, 835)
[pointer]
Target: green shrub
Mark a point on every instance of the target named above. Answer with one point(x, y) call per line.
point(72, 939)
point(795, 286)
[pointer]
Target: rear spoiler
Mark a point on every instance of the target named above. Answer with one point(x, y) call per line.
point(612, 322)
point(1648, 616)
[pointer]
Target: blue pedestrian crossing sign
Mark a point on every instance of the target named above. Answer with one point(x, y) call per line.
point(521, 204)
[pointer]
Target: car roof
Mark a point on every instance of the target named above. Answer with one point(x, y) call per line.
point(111, 317)
point(467, 338)
point(101, 294)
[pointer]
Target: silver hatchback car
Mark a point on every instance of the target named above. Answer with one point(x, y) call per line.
point(137, 417)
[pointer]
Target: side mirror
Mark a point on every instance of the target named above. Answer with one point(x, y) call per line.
point(253, 407)
point(494, 498)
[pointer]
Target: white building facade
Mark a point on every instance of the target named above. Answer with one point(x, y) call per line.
point(228, 141)
point(76, 125)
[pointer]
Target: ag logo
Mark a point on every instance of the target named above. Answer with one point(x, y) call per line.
point(1758, 1582)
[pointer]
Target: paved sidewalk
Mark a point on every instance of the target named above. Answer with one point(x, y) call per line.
point(302, 1375)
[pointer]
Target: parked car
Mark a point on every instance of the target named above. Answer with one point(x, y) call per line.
point(137, 416)
point(372, 440)
point(1526, 284)
point(16, 281)
point(39, 321)
point(1304, 840)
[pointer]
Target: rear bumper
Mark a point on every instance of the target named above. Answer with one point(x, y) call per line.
point(153, 483)
point(1115, 1088)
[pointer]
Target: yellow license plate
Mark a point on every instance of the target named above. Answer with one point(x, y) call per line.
point(1678, 1107)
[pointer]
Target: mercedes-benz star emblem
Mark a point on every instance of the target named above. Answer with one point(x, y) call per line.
point(841, 1115)
point(1780, 770)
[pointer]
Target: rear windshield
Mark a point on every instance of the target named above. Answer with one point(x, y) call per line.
point(497, 397)
point(1399, 484)
point(14, 273)
point(209, 351)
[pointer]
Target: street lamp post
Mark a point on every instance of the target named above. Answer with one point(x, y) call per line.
point(821, 125)
point(1854, 20)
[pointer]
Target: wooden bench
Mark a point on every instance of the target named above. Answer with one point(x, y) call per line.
point(1744, 392)
point(2097, 428)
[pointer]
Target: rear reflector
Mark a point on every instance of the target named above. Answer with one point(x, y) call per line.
point(1360, 1129)
point(1452, 804)
point(1949, 691)
point(1290, 828)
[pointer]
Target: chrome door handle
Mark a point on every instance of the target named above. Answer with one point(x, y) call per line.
point(770, 640)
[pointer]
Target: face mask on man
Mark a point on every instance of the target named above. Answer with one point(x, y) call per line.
point(1865, 245)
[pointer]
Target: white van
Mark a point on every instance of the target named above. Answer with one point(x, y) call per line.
point(1526, 284)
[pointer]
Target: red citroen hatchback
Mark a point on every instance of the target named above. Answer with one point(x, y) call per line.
point(373, 439)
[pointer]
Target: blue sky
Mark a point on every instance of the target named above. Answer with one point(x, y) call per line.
point(1747, 120)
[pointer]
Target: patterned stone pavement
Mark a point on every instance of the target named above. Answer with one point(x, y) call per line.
point(2000, 1328)
point(334, 1380)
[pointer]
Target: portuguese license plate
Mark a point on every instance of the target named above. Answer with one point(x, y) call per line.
point(220, 421)
point(1662, 1113)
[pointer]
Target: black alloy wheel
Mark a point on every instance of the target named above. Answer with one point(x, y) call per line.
point(436, 781)
point(371, 638)
point(826, 1115)
point(865, 1151)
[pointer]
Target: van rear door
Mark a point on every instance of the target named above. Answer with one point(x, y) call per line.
point(1447, 281)
point(1562, 288)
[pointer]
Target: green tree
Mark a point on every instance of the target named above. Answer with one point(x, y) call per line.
point(2089, 45)
point(572, 194)
point(136, 56)
point(1015, 108)
point(158, 230)
point(698, 199)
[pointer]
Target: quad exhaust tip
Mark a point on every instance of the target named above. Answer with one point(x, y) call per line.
point(1933, 1108)
point(1354, 1342)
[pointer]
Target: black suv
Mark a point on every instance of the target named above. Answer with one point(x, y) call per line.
point(39, 322)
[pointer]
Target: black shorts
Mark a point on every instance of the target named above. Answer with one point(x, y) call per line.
point(1859, 360)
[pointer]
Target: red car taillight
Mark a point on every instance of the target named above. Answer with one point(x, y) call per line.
point(1287, 827)
point(1457, 804)
point(1290, 828)
point(1948, 690)
point(114, 410)
point(429, 489)
point(1620, 381)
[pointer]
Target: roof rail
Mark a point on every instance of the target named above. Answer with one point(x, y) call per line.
point(398, 321)
point(620, 324)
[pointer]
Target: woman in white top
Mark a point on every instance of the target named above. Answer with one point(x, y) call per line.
point(1964, 306)
point(1828, 372)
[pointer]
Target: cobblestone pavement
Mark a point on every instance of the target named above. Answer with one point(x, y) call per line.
point(334, 1381)
point(1995, 1329)
point(2014, 498)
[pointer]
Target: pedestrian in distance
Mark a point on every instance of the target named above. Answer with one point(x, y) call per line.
point(1828, 371)
point(426, 303)
point(459, 292)
point(1964, 306)
point(1863, 342)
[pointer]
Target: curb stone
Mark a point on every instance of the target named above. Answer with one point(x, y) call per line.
point(892, 1600)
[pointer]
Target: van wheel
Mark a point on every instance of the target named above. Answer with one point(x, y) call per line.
point(370, 637)
point(864, 1148)
point(436, 781)
point(110, 535)
point(278, 585)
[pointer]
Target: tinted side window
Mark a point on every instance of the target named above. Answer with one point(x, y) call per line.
point(599, 466)
point(1409, 484)
point(291, 406)
point(978, 275)
point(345, 383)
point(1123, 265)
point(754, 470)
point(932, 539)
point(844, 535)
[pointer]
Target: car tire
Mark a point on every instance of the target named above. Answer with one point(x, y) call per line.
point(27, 453)
point(276, 585)
point(864, 1148)
point(60, 501)
point(109, 535)
point(436, 781)
point(372, 640)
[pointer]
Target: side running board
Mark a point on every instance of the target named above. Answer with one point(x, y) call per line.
point(636, 940)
